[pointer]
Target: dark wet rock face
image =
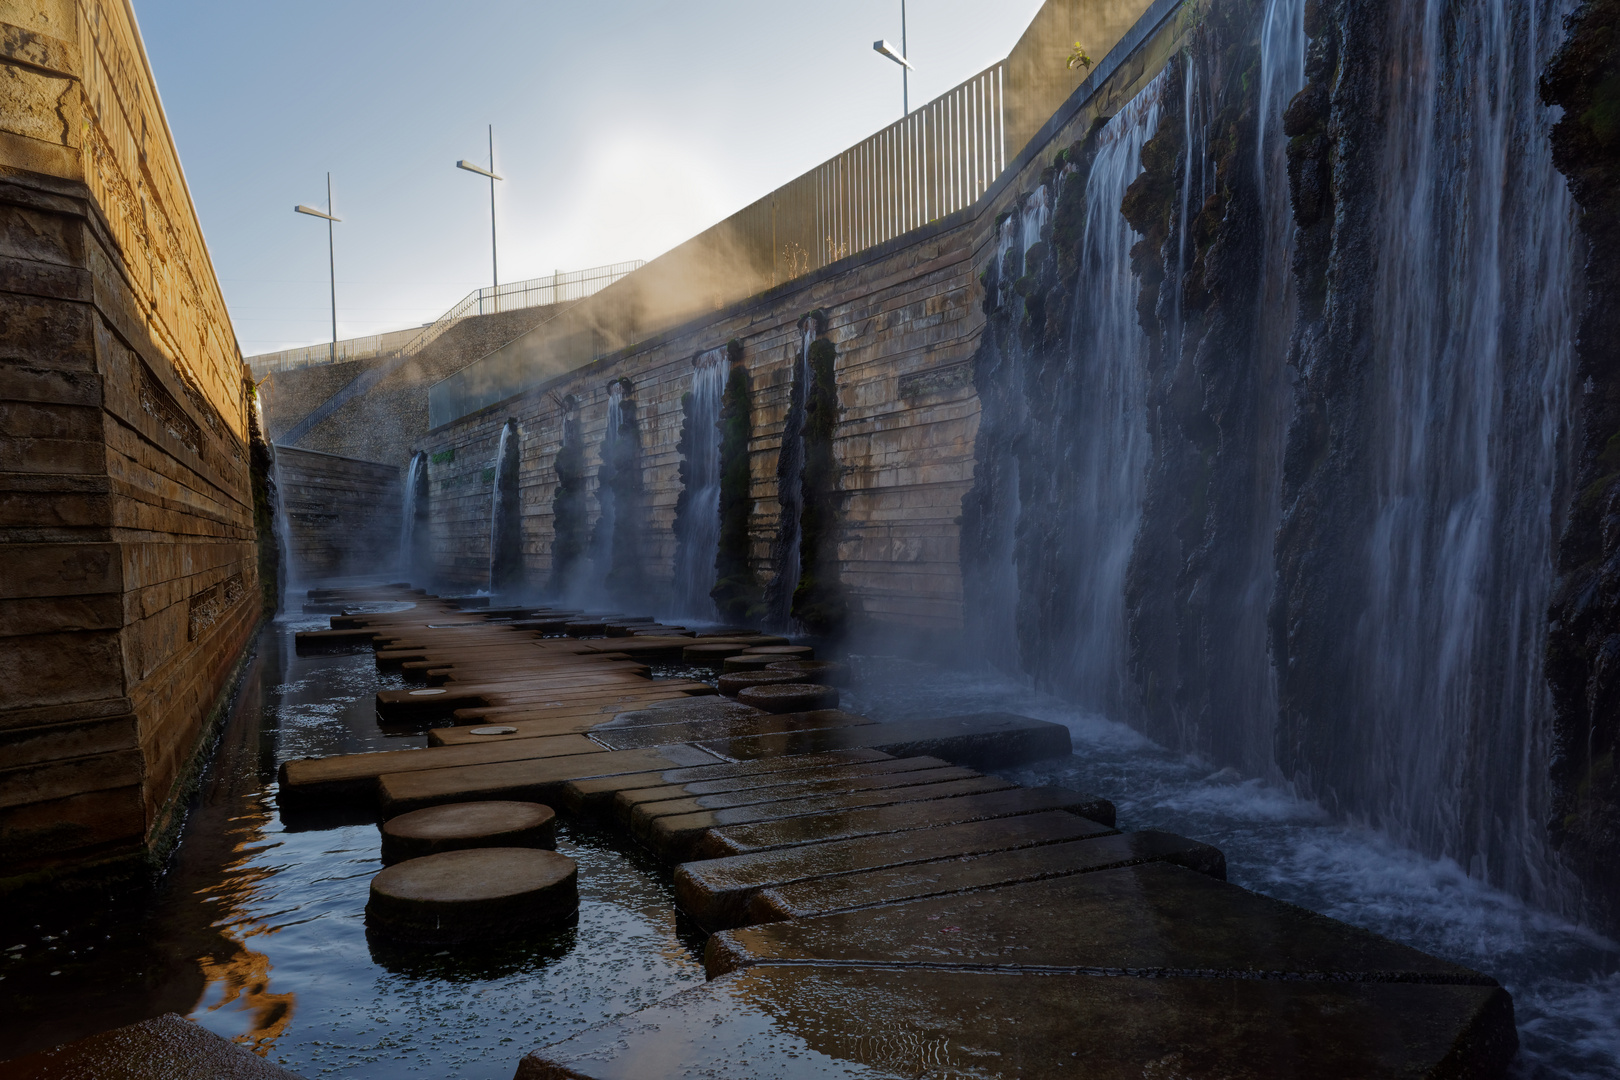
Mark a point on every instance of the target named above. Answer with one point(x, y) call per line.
point(1583, 647)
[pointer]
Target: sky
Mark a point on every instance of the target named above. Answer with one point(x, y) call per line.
point(622, 127)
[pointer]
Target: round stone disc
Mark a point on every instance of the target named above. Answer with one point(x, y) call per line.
point(733, 684)
point(784, 652)
point(490, 823)
point(477, 894)
point(789, 697)
point(712, 655)
point(825, 672)
point(493, 729)
point(736, 665)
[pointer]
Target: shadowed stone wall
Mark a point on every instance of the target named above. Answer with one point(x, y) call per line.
point(128, 570)
point(343, 514)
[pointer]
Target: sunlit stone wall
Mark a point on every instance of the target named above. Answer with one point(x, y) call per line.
point(128, 582)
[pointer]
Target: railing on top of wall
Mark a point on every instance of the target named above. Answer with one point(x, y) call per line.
point(939, 160)
point(557, 288)
point(932, 163)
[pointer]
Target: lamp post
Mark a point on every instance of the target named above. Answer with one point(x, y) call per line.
point(899, 57)
point(331, 259)
point(494, 261)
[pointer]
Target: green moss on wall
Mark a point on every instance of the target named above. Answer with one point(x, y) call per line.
point(568, 502)
point(819, 601)
point(736, 591)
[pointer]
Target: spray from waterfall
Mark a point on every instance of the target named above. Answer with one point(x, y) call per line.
point(697, 513)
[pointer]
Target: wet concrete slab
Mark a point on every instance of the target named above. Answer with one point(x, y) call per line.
point(622, 738)
point(167, 1047)
point(792, 1022)
point(536, 779)
point(677, 836)
point(742, 789)
point(596, 795)
point(980, 741)
point(717, 892)
point(823, 896)
point(741, 839)
point(1152, 920)
point(353, 777)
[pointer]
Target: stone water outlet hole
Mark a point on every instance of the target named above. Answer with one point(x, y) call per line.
point(256, 929)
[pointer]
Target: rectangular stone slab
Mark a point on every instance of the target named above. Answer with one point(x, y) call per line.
point(795, 1023)
point(596, 793)
point(823, 896)
point(980, 741)
point(740, 839)
point(353, 777)
point(1148, 919)
point(716, 892)
point(623, 738)
point(677, 836)
point(529, 780)
point(674, 800)
point(626, 801)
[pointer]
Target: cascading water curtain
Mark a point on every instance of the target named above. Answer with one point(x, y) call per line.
point(1473, 336)
point(506, 516)
point(1104, 463)
point(410, 539)
point(697, 511)
point(1437, 387)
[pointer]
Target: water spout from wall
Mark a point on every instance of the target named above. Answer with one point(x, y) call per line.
point(697, 512)
point(413, 526)
point(506, 516)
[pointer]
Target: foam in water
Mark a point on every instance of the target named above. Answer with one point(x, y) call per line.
point(697, 531)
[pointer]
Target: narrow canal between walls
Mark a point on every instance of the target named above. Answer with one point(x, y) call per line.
point(256, 928)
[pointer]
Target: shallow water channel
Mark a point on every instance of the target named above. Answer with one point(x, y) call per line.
point(256, 928)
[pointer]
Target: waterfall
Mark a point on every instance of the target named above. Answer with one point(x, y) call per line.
point(789, 488)
point(412, 535)
point(506, 515)
point(1470, 352)
point(1105, 461)
point(697, 514)
point(278, 511)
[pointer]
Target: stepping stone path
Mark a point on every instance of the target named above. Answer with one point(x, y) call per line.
point(733, 684)
point(476, 894)
point(490, 823)
point(879, 902)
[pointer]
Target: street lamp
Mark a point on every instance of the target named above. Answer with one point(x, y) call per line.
point(899, 57)
point(331, 260)
point(494, 262)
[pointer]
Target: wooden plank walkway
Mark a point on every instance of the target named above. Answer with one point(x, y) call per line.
point(879, 904)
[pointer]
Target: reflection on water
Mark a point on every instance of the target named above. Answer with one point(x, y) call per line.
point(1565, 980)
point(256, 930)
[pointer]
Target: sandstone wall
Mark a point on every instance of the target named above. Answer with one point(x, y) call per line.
point(343, 514)
point(128, 580)
point(905, 318)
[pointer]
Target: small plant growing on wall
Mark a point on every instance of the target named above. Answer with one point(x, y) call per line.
point(736, 591)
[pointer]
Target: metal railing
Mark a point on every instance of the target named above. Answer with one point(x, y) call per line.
point(557, 288)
